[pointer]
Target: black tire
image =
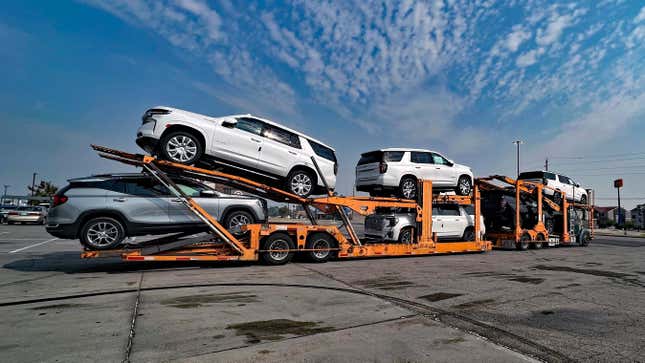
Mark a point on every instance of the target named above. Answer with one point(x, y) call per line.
point(277, 241)
point(320, 240)
point(237, 218)
point(301, 182)
point(524, 242)
point(408, 188)
point(583, 199)
point(406, 235)
point(92, 237)
point(549, 225)
point(585, 238)
point(539, 241)
point(9, 222)
point(469, 234)
point(181, 147)
point(464, 185)
point(557, 197)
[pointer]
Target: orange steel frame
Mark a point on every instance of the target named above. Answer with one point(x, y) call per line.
point(539, 229)
point(233, 249)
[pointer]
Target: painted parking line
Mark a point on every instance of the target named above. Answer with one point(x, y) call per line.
point(34, 245)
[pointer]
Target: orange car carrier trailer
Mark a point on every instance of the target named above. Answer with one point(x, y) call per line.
point(574, 223)
point(276, 243)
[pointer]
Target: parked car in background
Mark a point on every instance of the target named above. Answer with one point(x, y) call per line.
point(4, 210)
point(449, 222)
point(397, 170)
point(559, 182)
point(243, 142)
point(27, 214)
point(103, 210)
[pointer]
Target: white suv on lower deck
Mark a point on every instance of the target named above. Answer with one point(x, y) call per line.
point(242, 142)
point(397, 171)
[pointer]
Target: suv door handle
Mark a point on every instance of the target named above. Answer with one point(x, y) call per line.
point(417, 167)
point(293, 152)
point(118, 199)
point(438, 168)
point(176, 200)
point(256, 140)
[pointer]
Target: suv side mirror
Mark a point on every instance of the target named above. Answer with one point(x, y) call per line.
point(577, 185)
point(229, 123)
point(208, 193)
point(451, 162)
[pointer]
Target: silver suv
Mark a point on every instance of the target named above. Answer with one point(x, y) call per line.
point(103, 210)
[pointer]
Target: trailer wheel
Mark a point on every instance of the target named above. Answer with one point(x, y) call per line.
point(539, 241)
point(584, 239)
point(320, 240)
point(557, 197)
point(524, 242)
point(281, 246)
point(469, 234)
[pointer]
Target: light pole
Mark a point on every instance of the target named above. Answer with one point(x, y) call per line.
point(518, 143)
point(4, 196)
point(33, 184)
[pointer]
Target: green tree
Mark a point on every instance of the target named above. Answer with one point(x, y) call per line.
point(43, 189)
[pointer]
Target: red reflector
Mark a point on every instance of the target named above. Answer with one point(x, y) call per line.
point(136, 258)
point(59, 199)
point(182, 258)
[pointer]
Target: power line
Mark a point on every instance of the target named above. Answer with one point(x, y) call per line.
point(610, 174)
point(582, 161)
point(597, 156)
point(608, 168)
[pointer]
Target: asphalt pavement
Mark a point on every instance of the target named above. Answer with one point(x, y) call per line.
point(555, 304)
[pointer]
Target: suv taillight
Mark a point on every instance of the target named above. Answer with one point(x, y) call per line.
point(147, 116)
point(59, 199)
point(382, 167)
point(335, 168)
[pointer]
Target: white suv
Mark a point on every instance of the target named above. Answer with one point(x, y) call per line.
point(449, 222)
point(244, 142)
point(397, 170)
point(559, 182)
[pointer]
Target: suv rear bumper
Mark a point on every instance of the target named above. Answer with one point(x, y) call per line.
point(64, 231)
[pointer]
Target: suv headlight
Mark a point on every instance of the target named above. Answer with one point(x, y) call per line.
point(148, 115)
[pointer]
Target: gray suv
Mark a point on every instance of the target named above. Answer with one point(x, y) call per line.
point(103, 210)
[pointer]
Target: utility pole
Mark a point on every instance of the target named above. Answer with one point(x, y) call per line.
point(518, 143)
point(33, 184)
point(546, 164)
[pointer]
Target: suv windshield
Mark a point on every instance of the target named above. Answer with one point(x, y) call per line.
point(323, 151)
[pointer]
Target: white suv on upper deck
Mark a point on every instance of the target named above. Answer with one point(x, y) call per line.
point(558, 182)
point(243, 142)
point(398, 170)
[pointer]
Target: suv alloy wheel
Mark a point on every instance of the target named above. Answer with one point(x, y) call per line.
point(181, 147)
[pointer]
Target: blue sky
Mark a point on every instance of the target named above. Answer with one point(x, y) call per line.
point(462, 77)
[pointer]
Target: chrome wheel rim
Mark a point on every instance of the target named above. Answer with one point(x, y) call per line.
point(181, 148)
point(102, 234)
point(301, 184)
point(278, 245)
point(236, 222)
point(409, 188)
point(464, 187)
point(321, 244)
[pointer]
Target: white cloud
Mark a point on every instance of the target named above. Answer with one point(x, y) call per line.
point(516, 38)
point(529, 58)
point(553, 30)
point(641, 15)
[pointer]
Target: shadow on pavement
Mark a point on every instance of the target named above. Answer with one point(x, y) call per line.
point(71, 263)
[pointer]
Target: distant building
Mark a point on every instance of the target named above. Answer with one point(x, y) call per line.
point(606, 215)
point(638, 216)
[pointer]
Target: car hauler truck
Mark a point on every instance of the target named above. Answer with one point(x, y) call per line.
point(518, 214)
point(276, 243)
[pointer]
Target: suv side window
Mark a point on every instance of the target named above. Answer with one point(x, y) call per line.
point(281, 136)
point(440, 160)
point(565, 180)
point(421, 157)
point(549, 176)
point(189, 188)
point(145, 188)
point(249, 125)
point(449, 210)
